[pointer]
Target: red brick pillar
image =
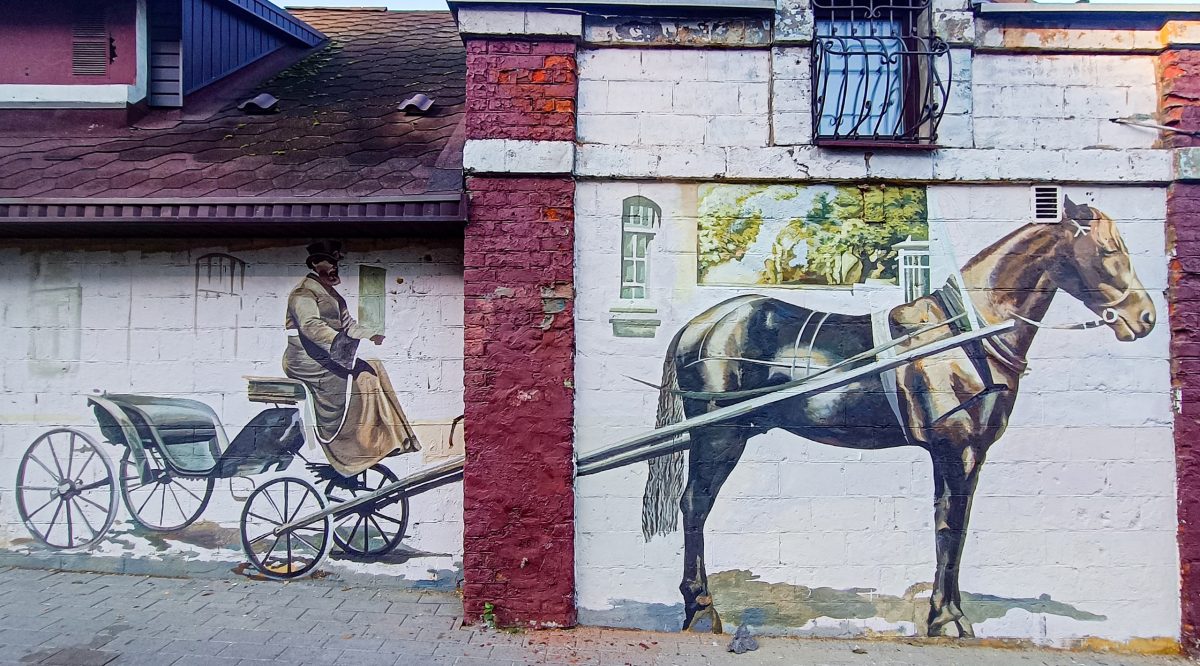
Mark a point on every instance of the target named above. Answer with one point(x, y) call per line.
point(1179, 86)
point(518, 501)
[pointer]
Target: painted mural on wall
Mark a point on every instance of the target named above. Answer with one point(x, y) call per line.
point(806, 234)
point(164, 458)
point(954, 404)
point(893, 346)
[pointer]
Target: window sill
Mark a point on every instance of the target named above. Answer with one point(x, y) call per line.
point(634, 321)
point(870, 144)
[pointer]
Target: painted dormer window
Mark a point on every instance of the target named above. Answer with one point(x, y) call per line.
point(639, 219)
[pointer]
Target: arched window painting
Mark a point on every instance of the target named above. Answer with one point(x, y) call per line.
point(220, 280)
point(639, 218)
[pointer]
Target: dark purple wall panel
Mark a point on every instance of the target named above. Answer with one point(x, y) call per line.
point(36, 41)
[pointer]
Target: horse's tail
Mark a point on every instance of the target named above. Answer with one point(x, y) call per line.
point(664, 486)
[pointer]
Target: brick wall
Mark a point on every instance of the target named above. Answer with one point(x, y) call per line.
point(520, 90)
point(520, 337)
point(1179, 84)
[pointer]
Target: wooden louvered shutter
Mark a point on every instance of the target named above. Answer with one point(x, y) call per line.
point(89, 42)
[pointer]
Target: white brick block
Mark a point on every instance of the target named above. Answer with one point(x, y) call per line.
point(792, 63)
point(1017, 101)
point(1114, 135)
point(557, 23)
point(610, 65)
point(791, 95)
point(639, 96)
point(955, 26)
point(956, 131)
point(736, 131)
point(1093, 102)
point(754, 98)
point(480, 21)
point(704, 97)
point(491, 21)
point(673, 64)
point(739, 65)
point(792, 128)
point(616, 161)
point(692, 162)
point(666, 129)
point(604, 128)
point(1041, 133)
point(512, 156)
point(592, 96)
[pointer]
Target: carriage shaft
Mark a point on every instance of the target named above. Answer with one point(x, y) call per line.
point(643, 443)
point(411, 485)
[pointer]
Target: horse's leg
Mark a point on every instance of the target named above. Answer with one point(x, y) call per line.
point(714, 453)
point(955, 474)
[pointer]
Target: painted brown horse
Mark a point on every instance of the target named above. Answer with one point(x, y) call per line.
point(954, 405)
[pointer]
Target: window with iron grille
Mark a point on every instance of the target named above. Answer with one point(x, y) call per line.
point(639, 218)
point(880, 75)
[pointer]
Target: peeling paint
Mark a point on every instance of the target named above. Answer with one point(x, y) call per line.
point(678, 32)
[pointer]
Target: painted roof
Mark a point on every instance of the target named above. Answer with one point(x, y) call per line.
point(338, 139)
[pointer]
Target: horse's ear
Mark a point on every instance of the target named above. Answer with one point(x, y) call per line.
point(1073, 211)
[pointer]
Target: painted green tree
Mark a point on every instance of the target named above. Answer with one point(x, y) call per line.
point(855, 231)
point(728, 230)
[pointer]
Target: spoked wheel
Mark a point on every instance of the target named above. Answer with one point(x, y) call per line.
point(66, 489)
point(291, 553)
point(166, 502)
point(375, 527)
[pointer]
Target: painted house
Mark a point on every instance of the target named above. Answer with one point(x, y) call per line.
point(712, 297)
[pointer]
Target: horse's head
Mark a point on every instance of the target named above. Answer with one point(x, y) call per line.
point(1094, 267)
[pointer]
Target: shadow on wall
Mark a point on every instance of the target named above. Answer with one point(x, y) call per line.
point(781, 608)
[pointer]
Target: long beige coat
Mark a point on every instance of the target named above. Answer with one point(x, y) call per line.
point(359, 419)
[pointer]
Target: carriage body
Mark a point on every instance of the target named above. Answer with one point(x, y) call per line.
point(173, 452)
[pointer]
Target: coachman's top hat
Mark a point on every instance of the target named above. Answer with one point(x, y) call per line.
point(324, 250)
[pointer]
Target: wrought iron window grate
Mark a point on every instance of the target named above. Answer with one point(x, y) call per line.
point(880, 75)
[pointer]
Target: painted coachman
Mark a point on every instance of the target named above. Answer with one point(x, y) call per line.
point(359, 419)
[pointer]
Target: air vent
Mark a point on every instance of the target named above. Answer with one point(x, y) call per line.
point(89, 44)
point(1047, 203)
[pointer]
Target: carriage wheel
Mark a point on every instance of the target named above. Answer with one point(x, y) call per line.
point(375, 527)
point(66, 494)
point(168, 501)
point(295, 552)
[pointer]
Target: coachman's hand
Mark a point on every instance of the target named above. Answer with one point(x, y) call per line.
point(377, 339)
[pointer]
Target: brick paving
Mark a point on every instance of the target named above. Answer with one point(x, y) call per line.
point(88, 619)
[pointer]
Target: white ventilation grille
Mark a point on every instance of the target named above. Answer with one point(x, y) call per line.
point(1047, 203)
point(89, 44)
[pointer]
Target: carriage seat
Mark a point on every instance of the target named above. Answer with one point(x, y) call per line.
point(177, 421)
point(275, 390)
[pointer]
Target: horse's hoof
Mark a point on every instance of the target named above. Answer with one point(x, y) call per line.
point(950, 626)
point(704, 619)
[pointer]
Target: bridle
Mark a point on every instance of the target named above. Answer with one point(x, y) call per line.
point(1108, 311)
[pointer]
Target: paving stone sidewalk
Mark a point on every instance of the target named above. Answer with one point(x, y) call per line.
point(68, 619)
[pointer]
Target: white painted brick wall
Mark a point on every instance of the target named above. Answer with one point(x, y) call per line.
point(142, 330)
point(1040, 111)
point(1076, 501)
point(673, 97)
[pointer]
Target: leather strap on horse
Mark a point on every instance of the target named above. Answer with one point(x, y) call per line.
point(950, 300)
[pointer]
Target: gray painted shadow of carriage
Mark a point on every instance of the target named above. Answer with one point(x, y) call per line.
point(753, 363)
